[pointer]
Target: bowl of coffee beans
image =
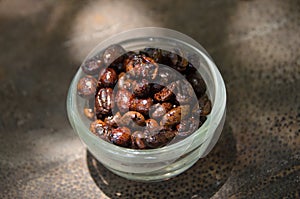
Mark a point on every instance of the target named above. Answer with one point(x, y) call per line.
point(148, 103)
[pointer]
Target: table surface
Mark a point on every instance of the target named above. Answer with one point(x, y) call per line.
point(255, 44)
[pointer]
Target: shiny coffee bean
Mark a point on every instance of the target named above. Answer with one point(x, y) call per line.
point(107, 77)
point(141, 88)
point(89, 113)
point(138, 140)
point(114, 120)
point(93, 65)
point(197, 83)
point(123, 99)
point(182, 61)
point(151, 124)
point(175, 115)
point(124, 82)
point(204, 105)
point(88, 109)
point(158, 110)
point(132, 118)
point(100, 129)
point(141, 105)
point(142, 67)
point(166, 93)
point(154, 53)
point(104, 101)
point(155, 88)
point(86, 87)
point(113, 54)
point(159, 137)
point(184, 92)
point(121, 136)
point(187, 126)
point(166, 75)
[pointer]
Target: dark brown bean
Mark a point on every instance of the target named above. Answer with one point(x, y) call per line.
point(142, 67)
point(124, 82)
point(138, 140)
point(107, 77)
point(154, 53)
point(89, 109)
point(104, 101)
point(86, 87)
point(151, 124)
point(197, 83)
point(141, 105)
point(123, 99)
point(131, 118)
point(121, 136)
point(182, 61)
point(184, 92)
point(158, 110)
point(204, 105)
point(114, 120)
point(155, 88)
point(175, 115)
point(166, 93)
point(93, 65)
point(159, 137)
point(112, 54)
point(100, 129)
point(187, 126)
point(141, 88)
point(89, 113)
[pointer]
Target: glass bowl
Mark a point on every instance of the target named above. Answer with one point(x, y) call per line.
point(171, 160)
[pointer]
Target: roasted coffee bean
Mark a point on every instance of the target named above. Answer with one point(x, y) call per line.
point(187, 126)
point(86, 87)
point(104, 101)
point(204, 105)
point(113, 53)
point(154, 53)
point(107, 78)
point(124, 81)
point(131, 118)
point(142, 67)
point(202, 120)
point(155, 88)
point(182, 61)
point(184, 92)
point(88, 109)
point(166, 75)
point(194, 63)
point(174, 58)
point(138, 140)
point(100, 129)
point(197, 83)
point(93, 65)
point(158, 110)
point(121, 136)
point(151, 124)
point(123, 99)
point(158, 137)
point(114, 120)
point(166, 93)
point(141, 88)
point(89, 113)
point(175, 115)
point(141, 105)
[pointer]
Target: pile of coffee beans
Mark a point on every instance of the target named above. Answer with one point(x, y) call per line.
point(145, 99)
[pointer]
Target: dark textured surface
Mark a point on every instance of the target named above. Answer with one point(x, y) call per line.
point(255, 44)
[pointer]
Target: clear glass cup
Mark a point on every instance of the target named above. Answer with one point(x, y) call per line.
point(171, 160)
